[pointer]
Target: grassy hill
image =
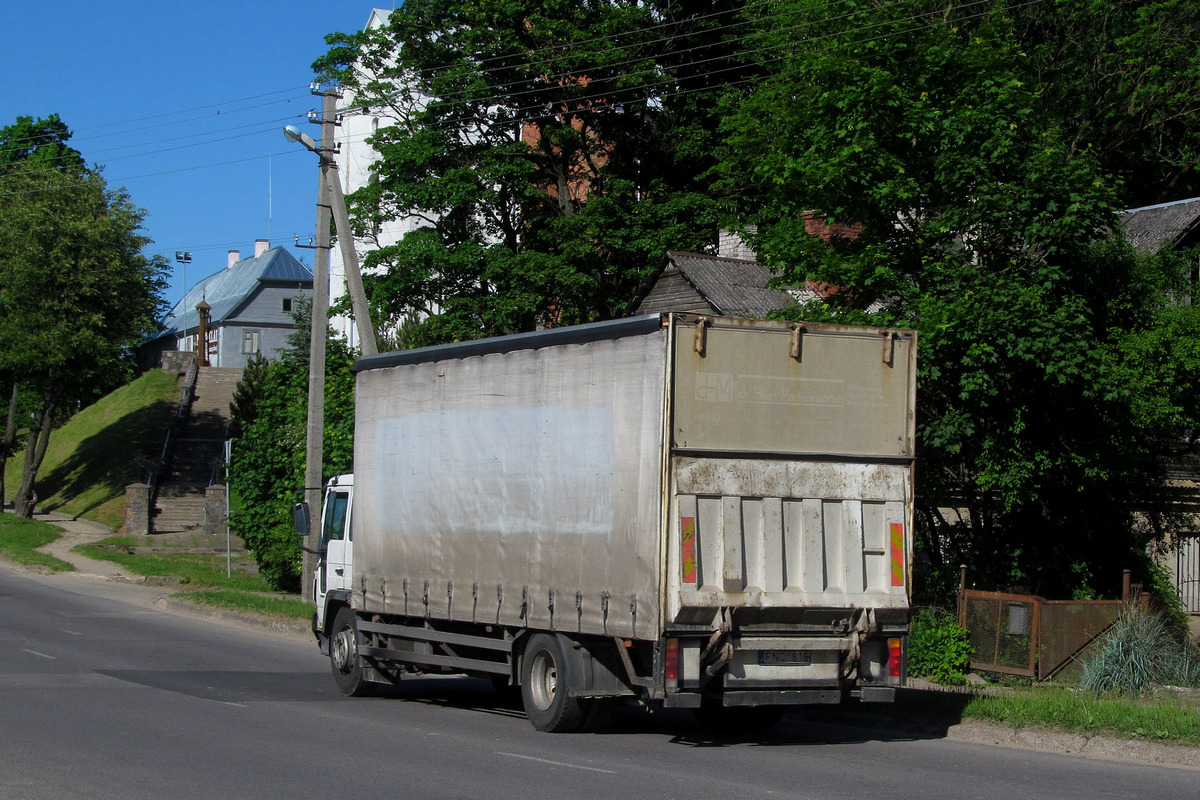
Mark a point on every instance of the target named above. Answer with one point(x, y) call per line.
point(92, 458)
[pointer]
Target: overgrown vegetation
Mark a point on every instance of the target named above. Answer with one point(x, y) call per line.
point(268, 428)
point(19, 539)
point(938, 648)
point(1051, 399)
point(1139, 652)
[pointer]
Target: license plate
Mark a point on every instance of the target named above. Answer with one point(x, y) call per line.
point(771, 658)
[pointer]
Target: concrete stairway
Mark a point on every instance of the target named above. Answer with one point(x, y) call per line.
point(179, 503)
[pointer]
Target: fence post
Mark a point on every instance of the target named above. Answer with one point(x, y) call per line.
point(1125, 578)
point(137, 509)
point(962, 597)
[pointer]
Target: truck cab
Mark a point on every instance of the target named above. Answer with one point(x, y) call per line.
point(334, 574)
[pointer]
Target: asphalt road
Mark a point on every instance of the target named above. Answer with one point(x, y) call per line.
point(102, 696)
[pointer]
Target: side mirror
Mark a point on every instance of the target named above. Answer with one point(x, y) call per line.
point(301, 521)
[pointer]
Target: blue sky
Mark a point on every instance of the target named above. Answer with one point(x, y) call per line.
point(183, 104)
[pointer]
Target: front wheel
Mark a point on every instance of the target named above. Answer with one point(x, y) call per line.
point(344, 658)
point(546, 678)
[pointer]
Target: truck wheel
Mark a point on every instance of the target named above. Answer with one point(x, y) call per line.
point(545, 680)
point(344, 658)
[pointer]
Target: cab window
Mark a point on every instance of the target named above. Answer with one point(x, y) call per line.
point(334, 527)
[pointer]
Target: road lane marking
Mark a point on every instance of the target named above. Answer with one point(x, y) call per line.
point(36, 653)
point(558, 763)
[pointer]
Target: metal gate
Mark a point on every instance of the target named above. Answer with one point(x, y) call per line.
point(1187, 573)
point(1029, 635)
point(1003, 631)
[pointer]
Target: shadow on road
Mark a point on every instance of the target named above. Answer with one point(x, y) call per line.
point(916, 715)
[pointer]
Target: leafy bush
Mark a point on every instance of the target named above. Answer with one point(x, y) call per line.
point(266, 471)
point(937, 647)
point(1138, 653)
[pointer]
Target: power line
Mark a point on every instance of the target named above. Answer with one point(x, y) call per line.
point(597, 101)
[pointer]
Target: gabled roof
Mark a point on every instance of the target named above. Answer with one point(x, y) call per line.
point(734, 287)
point(226, 290)
point(1161, 227)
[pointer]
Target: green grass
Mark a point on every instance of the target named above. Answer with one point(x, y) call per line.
point(1165, 720)
point(206, 573)
point(92, 457)
point(202, 571)
point(271, 605)
point(20, 537)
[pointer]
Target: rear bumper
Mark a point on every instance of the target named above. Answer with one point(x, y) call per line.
point(785, 697)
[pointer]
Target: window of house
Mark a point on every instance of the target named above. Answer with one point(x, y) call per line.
point(287, 305)
point(250, 341)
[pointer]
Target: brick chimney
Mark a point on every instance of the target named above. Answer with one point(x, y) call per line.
point(234, 257)
point(261, 246)
point(730, 245)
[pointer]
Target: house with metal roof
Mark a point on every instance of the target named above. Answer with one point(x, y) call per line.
point(247, 306)
point(1166, 226)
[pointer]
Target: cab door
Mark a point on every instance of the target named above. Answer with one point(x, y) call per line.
point(338, 562)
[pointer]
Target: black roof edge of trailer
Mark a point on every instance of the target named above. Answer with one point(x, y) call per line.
point(573, 334)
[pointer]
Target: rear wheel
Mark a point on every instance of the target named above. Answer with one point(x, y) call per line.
point(546, 678)
point(344, 658)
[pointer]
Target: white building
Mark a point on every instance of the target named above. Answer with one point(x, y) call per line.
point(355, 159)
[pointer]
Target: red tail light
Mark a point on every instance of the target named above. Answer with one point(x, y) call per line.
point(671, 660)
point(895, 657)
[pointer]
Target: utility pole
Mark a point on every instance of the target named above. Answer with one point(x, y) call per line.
point(354, 284)
point(314, 452)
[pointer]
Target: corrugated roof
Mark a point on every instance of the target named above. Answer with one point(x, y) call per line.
point(733, 286)
point(1155, 228)
point(226, 290)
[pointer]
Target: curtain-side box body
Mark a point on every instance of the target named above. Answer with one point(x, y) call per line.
point(623, 478)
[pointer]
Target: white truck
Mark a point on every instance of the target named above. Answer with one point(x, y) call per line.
point(673, 510)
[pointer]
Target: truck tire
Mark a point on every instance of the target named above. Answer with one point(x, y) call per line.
point(344, 658)
point(546, 677)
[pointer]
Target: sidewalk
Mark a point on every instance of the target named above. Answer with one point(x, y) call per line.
point(153, 592)
point(76, 532)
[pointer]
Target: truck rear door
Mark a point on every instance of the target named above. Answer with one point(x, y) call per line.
point(791, 467)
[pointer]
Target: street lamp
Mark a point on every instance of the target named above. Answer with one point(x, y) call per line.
point(341, 220)
point(294, 134)
point(314, 455)
point(329, 198)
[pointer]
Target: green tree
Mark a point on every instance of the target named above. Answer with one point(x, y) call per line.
point(981, 222)
point(1123, 76)
point(268, 429)
point(39, 142)
point(553, 150)
point(75, 293)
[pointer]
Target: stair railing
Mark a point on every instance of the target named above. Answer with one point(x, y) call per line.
point(174, 426)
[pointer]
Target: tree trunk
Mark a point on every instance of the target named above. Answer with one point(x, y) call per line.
point(35, 451)
point(10, 437)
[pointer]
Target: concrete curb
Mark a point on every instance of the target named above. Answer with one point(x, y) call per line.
point(1097, 747)
point(298, 631)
